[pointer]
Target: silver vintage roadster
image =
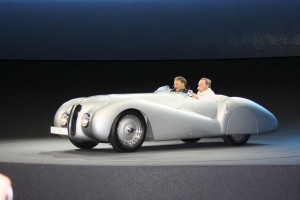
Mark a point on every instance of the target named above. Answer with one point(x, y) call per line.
point(127, 120)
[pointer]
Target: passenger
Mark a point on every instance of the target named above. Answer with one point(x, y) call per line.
point(180, 85)
point(204, 90)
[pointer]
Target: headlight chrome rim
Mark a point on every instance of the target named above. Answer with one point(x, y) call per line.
point(64, 119)
point(85, 120)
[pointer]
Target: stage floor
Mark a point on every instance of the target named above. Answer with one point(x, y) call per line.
point(279, 148)
point(52, 168)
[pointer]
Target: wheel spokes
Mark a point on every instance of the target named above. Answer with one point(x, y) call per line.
point(130, 130)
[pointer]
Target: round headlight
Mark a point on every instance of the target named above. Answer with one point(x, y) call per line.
point(85, 120)
point(64, 119)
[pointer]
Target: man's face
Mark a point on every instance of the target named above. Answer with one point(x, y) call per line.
point(178, 85)
point(202, 86)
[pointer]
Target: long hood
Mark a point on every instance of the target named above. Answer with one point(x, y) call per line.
point(161, 98)
point(99, 100)
point(89, 103)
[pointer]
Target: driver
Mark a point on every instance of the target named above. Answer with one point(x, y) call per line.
point(180, 84)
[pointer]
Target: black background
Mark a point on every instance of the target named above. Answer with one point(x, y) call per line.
point(32, 91)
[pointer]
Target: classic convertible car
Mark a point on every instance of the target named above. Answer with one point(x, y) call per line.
point(127, 120)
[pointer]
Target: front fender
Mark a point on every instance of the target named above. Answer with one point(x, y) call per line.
point(66, 107)
point(104, 116)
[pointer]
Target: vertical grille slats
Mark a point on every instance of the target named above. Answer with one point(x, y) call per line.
point(73, 119)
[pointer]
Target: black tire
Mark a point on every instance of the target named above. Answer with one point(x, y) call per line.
point(128, 131)
point(84, 145)
point(194, 140)
point(236, 140)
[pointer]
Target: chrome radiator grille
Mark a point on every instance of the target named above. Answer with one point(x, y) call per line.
point(73, 119)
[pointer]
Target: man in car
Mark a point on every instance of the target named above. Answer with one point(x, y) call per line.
point(204, 90)
point(180, 84)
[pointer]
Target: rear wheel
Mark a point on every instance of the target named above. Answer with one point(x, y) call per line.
point(191, 140)
point(128, 131)
point(84, 145)
point(236, 140)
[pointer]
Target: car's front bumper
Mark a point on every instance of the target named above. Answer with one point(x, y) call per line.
point(59, 130)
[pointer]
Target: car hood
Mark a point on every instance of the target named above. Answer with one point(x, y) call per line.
point(161, 98)
point(94, 103)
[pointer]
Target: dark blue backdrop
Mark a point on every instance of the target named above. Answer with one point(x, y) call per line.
point(148, 29)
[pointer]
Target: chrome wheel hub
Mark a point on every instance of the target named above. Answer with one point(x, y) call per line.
point(130, 130)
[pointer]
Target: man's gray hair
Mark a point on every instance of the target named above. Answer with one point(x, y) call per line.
point(207, 81)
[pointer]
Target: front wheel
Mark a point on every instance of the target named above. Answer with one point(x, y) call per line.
point(236, 140)
point(84, 145)
point(128, 131)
